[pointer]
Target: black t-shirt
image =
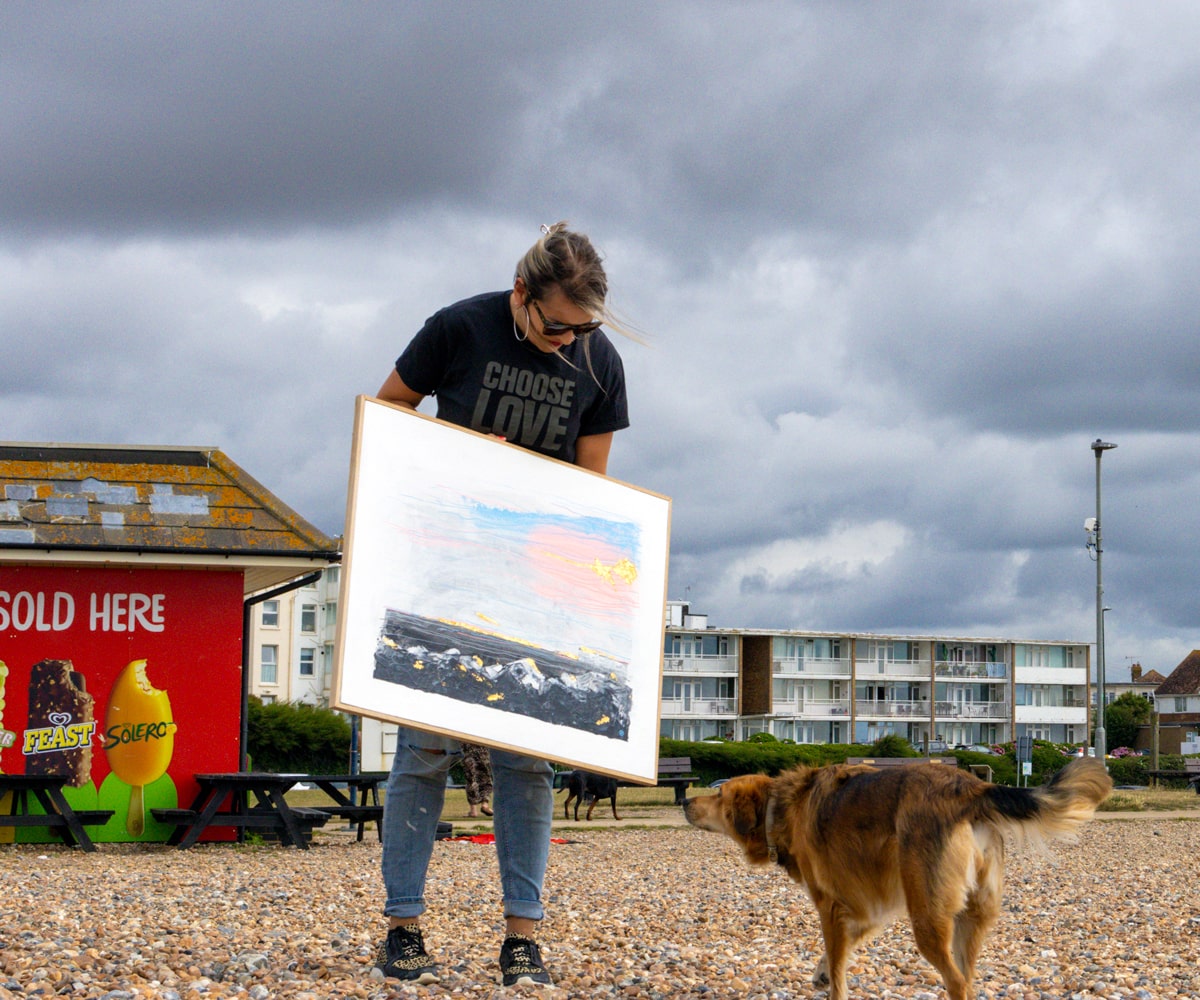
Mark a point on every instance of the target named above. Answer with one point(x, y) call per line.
point(468, 356)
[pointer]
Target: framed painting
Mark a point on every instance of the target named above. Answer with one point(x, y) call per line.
point(500, 596)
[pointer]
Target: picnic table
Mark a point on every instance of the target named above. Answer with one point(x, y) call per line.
point(59, 816)
point(360, 812)
point(256, 800)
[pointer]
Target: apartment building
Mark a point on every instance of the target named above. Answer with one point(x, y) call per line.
point(839, 687)
point(291, 643)
point(811, 687)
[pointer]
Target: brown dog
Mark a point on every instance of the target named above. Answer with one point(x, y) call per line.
point(869, 843)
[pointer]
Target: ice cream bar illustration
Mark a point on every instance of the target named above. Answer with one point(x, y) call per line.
point(139, 737)
point(6, 832)
point(58, 698)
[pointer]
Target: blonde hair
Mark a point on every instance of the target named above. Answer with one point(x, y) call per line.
point(567, 260)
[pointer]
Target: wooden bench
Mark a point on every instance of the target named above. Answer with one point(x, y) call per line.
point(901, 761)
point(673, 772)
point(1190, 774)
point(676, 772)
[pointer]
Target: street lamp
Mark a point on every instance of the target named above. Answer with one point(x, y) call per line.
point(1099, 447)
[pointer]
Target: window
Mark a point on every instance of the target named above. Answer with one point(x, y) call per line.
point(1181, 704)
point(308, 618)
point(331, 614)
point(269, 669)
point(308, 663)
point(270, 614)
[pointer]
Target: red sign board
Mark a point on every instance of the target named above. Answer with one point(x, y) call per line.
point(126, 680)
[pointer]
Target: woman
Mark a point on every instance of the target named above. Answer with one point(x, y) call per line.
point(529, 365)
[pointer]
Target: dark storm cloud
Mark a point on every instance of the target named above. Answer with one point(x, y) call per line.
point(900, 263)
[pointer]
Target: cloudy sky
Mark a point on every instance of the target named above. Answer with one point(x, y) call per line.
point(899, 265)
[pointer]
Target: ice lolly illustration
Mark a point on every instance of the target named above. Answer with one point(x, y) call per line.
point(140, 734)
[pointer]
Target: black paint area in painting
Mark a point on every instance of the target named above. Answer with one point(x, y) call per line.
point(426, 654)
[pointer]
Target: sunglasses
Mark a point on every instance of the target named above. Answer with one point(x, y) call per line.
point(553, 329)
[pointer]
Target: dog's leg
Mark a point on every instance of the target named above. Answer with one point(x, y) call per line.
point(614, 805)
point(842, 934)
point(971, 927)
point(948, 916)
point(591, 809)
point(934, 934)
point(820, 978)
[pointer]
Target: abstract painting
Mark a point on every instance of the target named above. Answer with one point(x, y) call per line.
point(494, 594)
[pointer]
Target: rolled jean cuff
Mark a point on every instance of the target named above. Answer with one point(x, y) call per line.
point(404, 908)
point(525, 909)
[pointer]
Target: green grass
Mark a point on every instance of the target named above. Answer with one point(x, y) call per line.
point(1150, 800)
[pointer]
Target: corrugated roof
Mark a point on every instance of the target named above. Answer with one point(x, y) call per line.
point(1184, 679)
point(148, 500)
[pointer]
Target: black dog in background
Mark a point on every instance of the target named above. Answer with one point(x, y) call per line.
point(582, 785)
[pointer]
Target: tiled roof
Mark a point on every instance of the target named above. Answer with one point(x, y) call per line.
point(100, 498)
point(1184, 679)
point(1152, 677)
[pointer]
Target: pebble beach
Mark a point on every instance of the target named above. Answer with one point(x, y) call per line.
point(631, 912)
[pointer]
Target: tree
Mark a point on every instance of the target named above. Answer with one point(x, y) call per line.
point(1123, 718)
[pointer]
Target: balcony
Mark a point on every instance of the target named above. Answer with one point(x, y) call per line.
point(811, 666)
point(971, 671)
point(812, 708)
point(973, 710)
point(700, 665)
point(892, 668)
point(1069, 714)
point(888, 709)
point(698, 708)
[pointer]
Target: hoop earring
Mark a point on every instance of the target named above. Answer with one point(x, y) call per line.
point(516, 333)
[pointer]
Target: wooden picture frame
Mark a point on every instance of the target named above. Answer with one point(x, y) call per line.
point(496, 595)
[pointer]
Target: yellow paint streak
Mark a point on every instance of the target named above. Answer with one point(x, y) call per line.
point(622, 571)
point(495, 697)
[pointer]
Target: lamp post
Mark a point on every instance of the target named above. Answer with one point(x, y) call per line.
point(1099, 447)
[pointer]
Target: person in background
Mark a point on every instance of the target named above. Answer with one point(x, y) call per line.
point(478, 771)
point(531, 365)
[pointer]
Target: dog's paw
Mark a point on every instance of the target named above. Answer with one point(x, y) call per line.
point(821, 976)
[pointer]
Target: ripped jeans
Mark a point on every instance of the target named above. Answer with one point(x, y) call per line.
point(523, 800)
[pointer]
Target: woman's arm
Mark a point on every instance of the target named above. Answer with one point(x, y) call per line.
point(591, 451)
point(394, 390)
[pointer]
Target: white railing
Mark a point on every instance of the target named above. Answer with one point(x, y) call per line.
point(700, 665)
point(972, 671)
point(973, 710)
point(892, 668)
point(813, 666)
point(698, 707)
point(812, 708)
point(892, 709)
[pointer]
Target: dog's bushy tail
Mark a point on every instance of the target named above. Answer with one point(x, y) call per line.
point(1054, 811)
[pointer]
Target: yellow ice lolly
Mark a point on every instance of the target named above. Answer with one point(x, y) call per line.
point(139, 735)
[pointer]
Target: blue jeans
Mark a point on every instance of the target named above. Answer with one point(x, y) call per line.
point(523, 800)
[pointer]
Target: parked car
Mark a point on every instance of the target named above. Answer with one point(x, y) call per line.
point(981, 748)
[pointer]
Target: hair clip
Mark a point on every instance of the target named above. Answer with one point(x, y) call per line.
point(545, 229)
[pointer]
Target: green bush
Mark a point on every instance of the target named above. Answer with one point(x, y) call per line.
point(711, 760)
point(1129, 770)
point(892, 745)
point(295, 737)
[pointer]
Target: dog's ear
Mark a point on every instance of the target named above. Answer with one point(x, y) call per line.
point(748, 813)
